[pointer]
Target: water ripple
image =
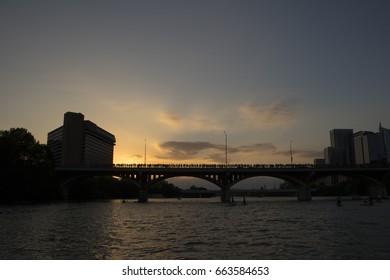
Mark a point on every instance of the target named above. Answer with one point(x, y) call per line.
point(264, 229)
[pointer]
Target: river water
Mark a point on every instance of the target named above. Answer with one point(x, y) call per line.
point(265, 228)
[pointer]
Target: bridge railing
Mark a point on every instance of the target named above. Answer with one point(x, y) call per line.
point(241, 166)
point(126, 165)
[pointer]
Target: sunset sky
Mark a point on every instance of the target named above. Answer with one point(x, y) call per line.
point(180, 73)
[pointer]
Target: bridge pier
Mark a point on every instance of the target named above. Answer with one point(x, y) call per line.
point(142, 194)
point(65, 191)
point(383, 188)
point(304, 193)
point(142, 187)
point(142, 190)
point(384, 192)
point(378, 190)
point(225, 194)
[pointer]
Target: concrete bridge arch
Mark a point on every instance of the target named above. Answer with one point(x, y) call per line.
point(226, 177)
point(376, 183)
point(224, 180)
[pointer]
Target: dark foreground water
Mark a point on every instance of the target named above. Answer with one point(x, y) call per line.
point(265, 228)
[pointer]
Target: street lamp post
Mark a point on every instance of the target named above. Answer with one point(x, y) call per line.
point(291, 156)
point(145, 154)
point(226, 150)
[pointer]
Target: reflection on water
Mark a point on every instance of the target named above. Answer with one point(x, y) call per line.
point(265, 228)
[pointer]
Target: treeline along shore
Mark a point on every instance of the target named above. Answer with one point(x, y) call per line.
point(26, 166)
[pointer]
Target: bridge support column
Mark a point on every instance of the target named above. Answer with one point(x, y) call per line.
point(65, 192)
point(225, 194)
point(142, 188)
point(304, 193)
point(378, 190)
point(142, 194)
point(384, 191)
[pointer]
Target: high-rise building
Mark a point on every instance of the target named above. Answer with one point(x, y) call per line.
point(319, 162)
point(342, 150)
point(335, 156)
point(369, 147)
point(80, 142)
point(385, 136)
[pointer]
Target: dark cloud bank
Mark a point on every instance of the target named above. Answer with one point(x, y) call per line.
point(184, 150)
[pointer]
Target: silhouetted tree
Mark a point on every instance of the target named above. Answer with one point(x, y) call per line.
point(164, 188)
point(26, 167)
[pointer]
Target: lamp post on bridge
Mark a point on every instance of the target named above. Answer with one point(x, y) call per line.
point(226, 150)
point(291, 157)
point(225, 191)
point(145, 154)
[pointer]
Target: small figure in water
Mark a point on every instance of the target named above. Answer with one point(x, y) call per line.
point(338, 201)
point(123, 201)
point(244, 201)
point(232, 202)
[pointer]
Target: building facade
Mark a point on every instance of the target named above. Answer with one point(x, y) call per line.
point(385, 135)
point(80, 142)
point(341, 151)
point(335, 156)
point(343, 139)
point(318, 162)
point(369, 147)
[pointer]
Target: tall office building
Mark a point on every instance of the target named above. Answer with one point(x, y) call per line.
point(342, 139)
point(341, 152)
point(80, 142)
point(385, 136)
point(369, 147)
point(335, 156)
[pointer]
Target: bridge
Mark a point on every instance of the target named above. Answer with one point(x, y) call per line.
point(225, 176)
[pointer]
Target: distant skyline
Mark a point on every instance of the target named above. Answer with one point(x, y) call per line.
point(180, 73)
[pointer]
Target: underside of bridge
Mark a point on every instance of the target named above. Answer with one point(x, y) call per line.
point(302, 179)
point(224, 181)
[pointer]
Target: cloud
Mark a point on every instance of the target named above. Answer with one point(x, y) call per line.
point(206, 124)
point(177, 150)
point(138, 156)
point(246, 151)
point(215, 157)
point(172, 119)
point(192, 120)
point(208, 152)
point(256, 148)
point(301, 153)
point(184, 150)
point(280, 113)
